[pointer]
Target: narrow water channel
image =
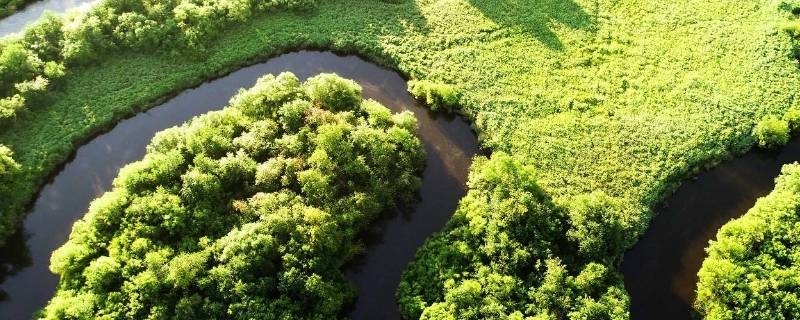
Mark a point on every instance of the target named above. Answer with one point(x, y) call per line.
point(661, 269)
point(27, 284)
point(17, 21)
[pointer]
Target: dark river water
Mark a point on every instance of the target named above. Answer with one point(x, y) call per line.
point(17, 21)
point(27, 283)
point(661, 269)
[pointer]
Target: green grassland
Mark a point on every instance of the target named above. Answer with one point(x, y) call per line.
point(626, 98)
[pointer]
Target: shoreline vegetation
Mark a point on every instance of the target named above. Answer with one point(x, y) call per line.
point(611, 105)
point(246, 213)
point(752, 266)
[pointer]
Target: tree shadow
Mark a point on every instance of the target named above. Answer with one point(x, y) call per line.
point(535, 17)
point(14, 257)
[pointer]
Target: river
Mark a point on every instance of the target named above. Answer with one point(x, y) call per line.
point(449, 142)
point(661, 269)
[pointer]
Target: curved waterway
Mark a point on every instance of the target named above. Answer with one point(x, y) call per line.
point(27, 284)
point(661, 269)
point(18, 20)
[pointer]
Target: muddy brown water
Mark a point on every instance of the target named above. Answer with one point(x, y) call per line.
point(27, 283)
point(661, 269)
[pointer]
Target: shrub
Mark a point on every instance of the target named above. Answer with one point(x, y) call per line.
point(240, 214)
point(771, 132)
point(330, 90)
point(53, 43)
point(792, 117)
point(498, 257)
point(437, 96)
point(752, 267)
point(8, 167)
point(597, 226)
point(45, 38)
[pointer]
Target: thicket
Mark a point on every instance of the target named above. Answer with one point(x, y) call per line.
point(245, 213)
point(771, 132)
point(753, 268)
point(40, 56)
point(509, 252)
point(437, 96)
point(32, 63)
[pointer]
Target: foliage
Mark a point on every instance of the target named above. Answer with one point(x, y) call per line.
point(499, 257)
point(8, 167)
point(45, 48)
point(436, 95)
point(596, 95)
point(753, 267)
point(792, 118)
point(599, 227)
point(771, 132)
point(245, 213)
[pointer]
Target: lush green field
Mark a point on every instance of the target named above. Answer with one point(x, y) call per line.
point(623, 98)
point(753, 267)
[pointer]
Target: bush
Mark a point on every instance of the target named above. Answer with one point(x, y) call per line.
point(792, 117)
point(53, 43)
point(771, 132)
point(241, 214)
point(437, 96)
point(8, 167)
point(598, 227)
point(338, 93)
point(499, 258)
point(752, 267)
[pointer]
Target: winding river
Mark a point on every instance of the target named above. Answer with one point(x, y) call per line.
point(661, 269)
point(450, 144)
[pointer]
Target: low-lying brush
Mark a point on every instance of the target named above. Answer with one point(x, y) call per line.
point(245, 213)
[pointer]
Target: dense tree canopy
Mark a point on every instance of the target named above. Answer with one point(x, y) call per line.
point(753, 268)
point(29, 63)
point(245, 213)
point(33, 62)
point(505, 255)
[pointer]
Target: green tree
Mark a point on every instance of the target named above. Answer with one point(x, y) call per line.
point(246, 213)
point(771, 132)
point(753, 266)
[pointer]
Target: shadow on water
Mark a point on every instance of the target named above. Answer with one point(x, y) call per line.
point(450, 144)
point(536, 17)
point(661, 269)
